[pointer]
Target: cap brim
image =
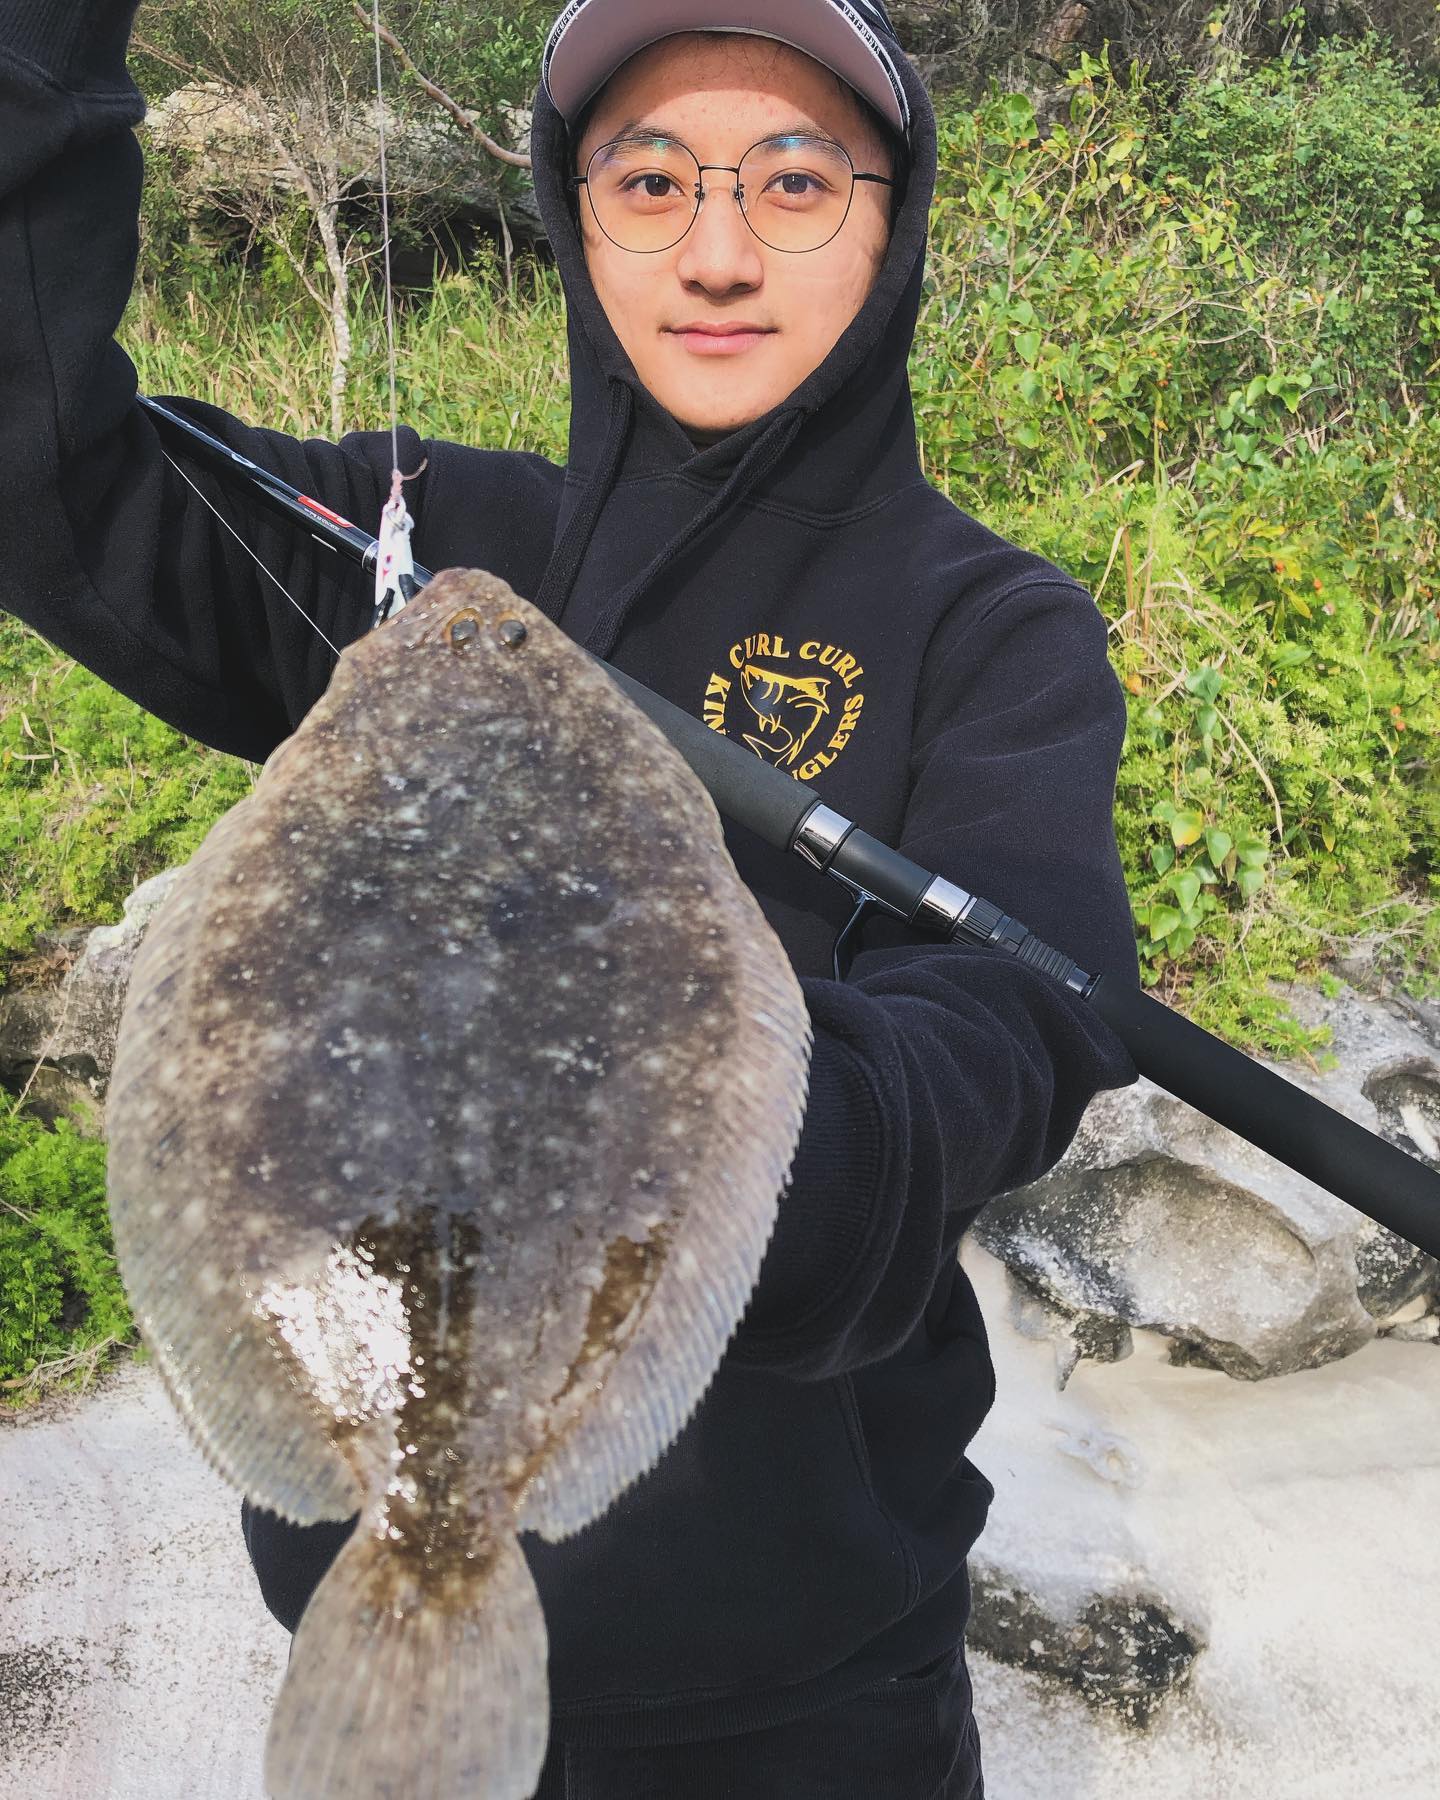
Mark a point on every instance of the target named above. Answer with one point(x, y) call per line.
point(591, 39)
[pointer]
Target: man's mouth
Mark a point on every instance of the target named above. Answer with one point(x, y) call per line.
point(729, 339)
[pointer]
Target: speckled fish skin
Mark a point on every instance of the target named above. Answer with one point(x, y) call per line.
point(456, 1086)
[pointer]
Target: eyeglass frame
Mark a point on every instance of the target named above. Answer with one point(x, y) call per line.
point(736, 193)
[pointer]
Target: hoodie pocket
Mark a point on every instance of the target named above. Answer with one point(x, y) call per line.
point(851, 1407)
point(753, 1555)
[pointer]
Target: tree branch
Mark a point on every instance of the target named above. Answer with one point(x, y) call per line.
point(196, 71)
point(465, 120)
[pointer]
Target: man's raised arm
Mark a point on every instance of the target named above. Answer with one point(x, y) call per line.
point(104, 548)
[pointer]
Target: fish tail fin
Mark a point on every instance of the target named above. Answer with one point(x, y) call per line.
point(408, 1685)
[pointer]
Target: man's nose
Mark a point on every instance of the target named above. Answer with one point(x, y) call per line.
point(720, 251)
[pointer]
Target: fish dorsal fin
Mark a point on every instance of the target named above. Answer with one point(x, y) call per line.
point(229, 1375)
point(710, 1266)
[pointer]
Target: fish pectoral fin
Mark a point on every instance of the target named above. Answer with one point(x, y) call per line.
point(385, 1643)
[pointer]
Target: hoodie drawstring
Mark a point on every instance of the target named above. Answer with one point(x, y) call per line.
point(569, 553)
point(752, 468)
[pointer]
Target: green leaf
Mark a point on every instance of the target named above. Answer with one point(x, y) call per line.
point(1185, 828)
point(1253, 851)
point(1250, 881)
point(1019, 115)
point(1028, 344)
point(1163, 920)
point(1186, 888)
point(1218, 843)
point(1162, 857)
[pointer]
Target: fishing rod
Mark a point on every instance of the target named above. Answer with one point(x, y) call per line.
point(1341, 1156)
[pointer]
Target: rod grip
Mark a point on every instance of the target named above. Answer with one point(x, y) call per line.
point(1298, 1130)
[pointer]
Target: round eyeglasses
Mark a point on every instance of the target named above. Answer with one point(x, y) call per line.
point(793, 192)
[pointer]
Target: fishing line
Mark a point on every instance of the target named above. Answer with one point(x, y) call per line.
point(395, 582)
point(246, 548)
point(395, 475)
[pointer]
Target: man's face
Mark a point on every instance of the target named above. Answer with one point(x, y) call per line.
point(720, 94)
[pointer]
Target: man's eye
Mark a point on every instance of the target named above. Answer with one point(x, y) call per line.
point(655, 187)
point(794, 184)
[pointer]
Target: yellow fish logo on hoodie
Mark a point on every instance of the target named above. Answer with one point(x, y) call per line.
point(795, 706)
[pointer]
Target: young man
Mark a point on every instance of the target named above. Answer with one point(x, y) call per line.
point(777, 1608)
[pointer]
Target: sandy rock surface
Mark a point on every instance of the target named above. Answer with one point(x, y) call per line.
point(1286, 1527)
point(137, 1661)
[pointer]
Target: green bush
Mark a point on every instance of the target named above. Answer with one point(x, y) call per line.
point(62, 1307)
point(1117, 368)
point(1332, 162)
point(98, 794)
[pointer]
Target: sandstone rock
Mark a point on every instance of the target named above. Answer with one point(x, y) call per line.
point(1280, 1528)
point(1159, 1218)
point(70, 1028)
point(235, 141)
point(1122, 1653)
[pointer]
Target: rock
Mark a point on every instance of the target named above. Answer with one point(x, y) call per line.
point(1074, 1333)
point(234, 142)
point(1122, 1653)
point(1248, 1550)
point(1158, 1218)
point(1423, 1015)
point(1358, 962)
point(69, 1028)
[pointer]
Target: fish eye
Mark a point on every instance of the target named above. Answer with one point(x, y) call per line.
point(463, 629)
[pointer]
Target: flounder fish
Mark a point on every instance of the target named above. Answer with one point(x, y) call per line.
point(456, 1086)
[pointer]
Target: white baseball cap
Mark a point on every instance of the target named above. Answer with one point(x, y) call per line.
point(854, 38)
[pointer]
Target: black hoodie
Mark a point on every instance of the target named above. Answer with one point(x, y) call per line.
point(802, 587)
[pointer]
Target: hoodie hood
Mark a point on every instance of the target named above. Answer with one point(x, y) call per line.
point(844, 436)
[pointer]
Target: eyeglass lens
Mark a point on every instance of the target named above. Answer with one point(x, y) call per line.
point(795, 191)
